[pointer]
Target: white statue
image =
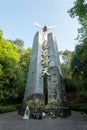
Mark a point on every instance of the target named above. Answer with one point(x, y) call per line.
point(26, 113)
point(44, 29)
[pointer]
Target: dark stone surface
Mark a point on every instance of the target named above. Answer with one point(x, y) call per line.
point(21, 110)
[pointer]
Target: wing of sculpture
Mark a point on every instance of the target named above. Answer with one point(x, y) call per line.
point(50, 27)
point(38, 25)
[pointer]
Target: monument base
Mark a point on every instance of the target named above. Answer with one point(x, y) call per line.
point(53, 113)
point(35, 101)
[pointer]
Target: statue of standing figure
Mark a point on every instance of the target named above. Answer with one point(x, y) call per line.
point(26, 113)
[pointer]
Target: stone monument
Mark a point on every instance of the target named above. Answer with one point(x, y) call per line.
point(45, 80)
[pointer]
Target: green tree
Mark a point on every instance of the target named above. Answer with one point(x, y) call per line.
point(19, 43)
point(9, 59)
point(25, 59)
point(14, 64)
point(79, 60)
point(67, 74)
point(79, 10)
point(24, 64)
point(79, 69)
point(65, 65)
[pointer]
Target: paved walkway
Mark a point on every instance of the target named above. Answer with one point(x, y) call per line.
point(13, 121)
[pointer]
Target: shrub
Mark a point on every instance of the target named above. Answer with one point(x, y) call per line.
point(79, 107)
point(8, 108)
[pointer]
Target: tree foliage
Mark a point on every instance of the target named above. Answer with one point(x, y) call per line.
point(79, 10)
point(13, 70)
point(65, 65)
point(19, 43)
point(79, 64)
point(79, 60)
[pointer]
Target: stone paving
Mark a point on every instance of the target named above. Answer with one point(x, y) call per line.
point(13, 121)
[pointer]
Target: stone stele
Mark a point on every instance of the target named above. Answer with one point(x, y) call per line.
point(35, 81)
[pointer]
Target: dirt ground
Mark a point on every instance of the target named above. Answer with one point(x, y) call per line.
point(13, 121)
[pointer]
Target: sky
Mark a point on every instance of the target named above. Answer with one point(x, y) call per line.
point(17, 18)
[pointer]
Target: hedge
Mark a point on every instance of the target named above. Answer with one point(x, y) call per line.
point(79, 107)
point(7, 108)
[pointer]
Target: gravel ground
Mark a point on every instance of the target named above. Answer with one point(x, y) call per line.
point(13, 121)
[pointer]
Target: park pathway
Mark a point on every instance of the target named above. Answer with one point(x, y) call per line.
point(13, 121)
